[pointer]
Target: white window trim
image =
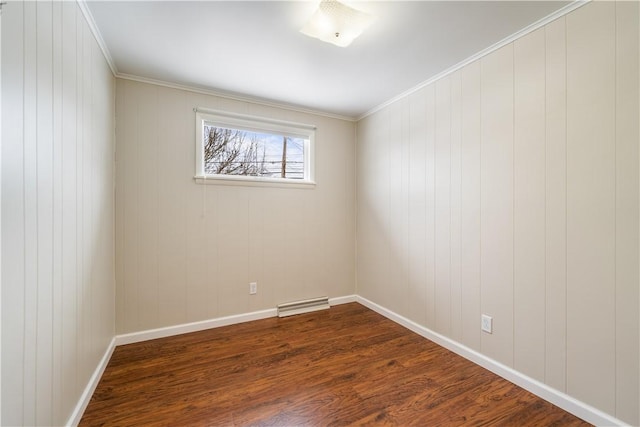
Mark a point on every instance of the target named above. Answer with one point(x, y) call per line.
point(254, 123)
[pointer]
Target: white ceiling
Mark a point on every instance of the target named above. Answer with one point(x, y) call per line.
point(255, 49)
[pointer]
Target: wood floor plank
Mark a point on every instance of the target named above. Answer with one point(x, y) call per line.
point(343, 366)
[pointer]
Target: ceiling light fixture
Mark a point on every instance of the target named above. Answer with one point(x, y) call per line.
point(337, 23)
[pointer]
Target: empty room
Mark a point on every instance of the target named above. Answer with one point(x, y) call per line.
point(310, 213)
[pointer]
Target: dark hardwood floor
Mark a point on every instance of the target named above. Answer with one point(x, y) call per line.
point(343, 366)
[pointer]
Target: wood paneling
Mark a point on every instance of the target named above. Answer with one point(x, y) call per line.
point(529, 204)
point(146, 229)
point(456, 219)
point(556, 205)
point(442, 191)
point(172, 226)
point(430, 220)
point(470, 205)
point(591, 213)
point(57, 202)
point(44, 215)
point(398, 205)
point(344, 366)
point(57, 210)
point(373, 213)
point(13, 261)
point(30, 230)
point(188, 251)
point(417, 208)
point(627, 215)
point(496, 202)
point(547, 206)
point(70, 277)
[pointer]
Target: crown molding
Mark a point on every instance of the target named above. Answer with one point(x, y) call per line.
point(269, 103)
point(234, 97)
point(82, 4)
point(536, 25)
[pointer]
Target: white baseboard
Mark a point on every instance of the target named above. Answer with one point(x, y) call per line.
point(343, 300)
point(83, 402)
point(150, 334)
point(185, 328)
point(558, 398)
point(562, 400)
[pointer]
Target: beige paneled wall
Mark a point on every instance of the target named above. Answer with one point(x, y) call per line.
point(591, 203)
point(187, 252)
point(555, 225)
point(529, 202)
point(520, 190)
point(627, 212)
point(58, 285)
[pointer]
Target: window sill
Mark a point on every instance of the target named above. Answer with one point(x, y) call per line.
point(253, 182)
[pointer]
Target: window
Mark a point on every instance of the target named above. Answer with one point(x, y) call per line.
point(236, 147)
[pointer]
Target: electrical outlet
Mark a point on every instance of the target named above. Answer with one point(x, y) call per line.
point(487, 324)
point(253, 288)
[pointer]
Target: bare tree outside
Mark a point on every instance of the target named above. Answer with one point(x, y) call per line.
point(238, 152)
point(231, 152)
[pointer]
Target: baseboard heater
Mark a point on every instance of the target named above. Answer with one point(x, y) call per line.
point(304, 306)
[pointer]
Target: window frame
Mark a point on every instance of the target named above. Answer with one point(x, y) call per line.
point(252, 123)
